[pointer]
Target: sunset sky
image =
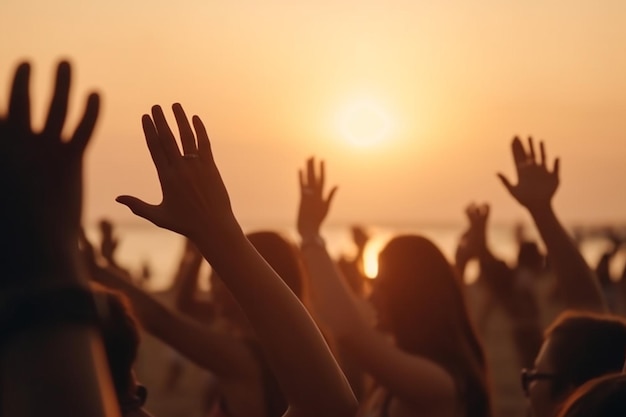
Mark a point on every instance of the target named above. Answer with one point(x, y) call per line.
point(447, 83)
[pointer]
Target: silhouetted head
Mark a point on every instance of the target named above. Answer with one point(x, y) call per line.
point(419, 300)
point(416, 284)
point(282, 256)
point(578, 347)
point(600, 397)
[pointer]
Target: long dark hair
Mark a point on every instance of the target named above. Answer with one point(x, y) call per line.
point(283, 257)
point(428, 316)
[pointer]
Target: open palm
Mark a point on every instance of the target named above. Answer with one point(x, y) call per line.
point(313, 205)
point(195, 200)
point(41, 177)
point(536, 184)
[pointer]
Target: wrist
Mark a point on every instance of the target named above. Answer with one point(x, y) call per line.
point(25, 309)
point(42, 267)
point(312, 241)
point(539, 208)
point(220, 246)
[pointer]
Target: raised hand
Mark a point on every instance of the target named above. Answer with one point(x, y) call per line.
point(478, 214)
point(536, 183)
point(359, 237)
point(87, 251)
point(195, 201)
point(313, 205)
point(108, 241)
point(41, 178)
point(196, 204)
point(474, 241)
point(535, 189)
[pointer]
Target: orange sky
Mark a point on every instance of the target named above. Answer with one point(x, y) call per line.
point(271, 78)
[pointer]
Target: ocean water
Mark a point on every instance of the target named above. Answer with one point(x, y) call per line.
point(161, 249)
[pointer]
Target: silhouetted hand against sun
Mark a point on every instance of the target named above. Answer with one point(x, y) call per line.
point(195, 201)
point(41, 180)
point(536, 183)
point(313, 205)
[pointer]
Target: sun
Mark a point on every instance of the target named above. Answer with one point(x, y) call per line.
point(365, 123)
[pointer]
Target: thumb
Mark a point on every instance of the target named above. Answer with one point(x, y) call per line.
point(329, 200)
point(138, 207)
point(506, 183)
point(331, 195)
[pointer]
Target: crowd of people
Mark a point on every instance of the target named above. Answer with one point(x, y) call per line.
point(286, 329)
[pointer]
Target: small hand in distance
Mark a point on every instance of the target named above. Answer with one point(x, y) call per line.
point(360, 237)
point(87, 251)
point(313, 205)
point(108, 241)
point(473, 241)
point(536, 183)
point(478, 214)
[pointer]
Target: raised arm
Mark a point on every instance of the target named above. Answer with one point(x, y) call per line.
point(214, 350)
point(41, 185)
point(477, 243)
point(534, 190)
point(196, 204)
point(418, 383)
point(474, 243)
point(186, 285)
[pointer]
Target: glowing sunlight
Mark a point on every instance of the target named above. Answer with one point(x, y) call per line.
point(365, 123)
point(370, 256)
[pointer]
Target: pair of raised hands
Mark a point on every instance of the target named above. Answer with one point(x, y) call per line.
point(534, 190)
point(41, 176)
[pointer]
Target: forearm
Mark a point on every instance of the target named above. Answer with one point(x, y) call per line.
point(576, 280)
point(492, 267)
point(301, 360)
point(198, 343)
point(153, 316)
point(60, 370)
point(187, 279)
point(148, 310)
point(460, 265)
point(54, 367)
point(331, 293)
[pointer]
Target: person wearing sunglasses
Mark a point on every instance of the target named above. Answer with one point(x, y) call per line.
point(578, 347)
point(585, 342)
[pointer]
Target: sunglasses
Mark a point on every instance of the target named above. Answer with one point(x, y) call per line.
point(530, 375)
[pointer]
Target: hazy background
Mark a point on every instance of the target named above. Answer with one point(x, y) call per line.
point(273, 81)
